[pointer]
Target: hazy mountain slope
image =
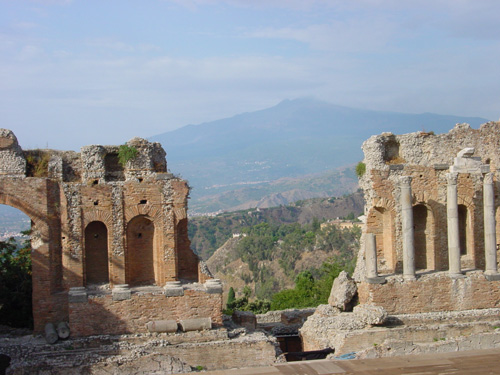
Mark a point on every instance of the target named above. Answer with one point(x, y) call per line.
point(294, 138)
point(279, 192)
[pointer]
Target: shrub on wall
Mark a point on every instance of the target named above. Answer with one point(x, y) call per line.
point(360, 169)
point(126, 153)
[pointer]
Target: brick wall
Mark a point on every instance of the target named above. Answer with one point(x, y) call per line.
point(434, 292)
point(101, 315)
point(87, 230)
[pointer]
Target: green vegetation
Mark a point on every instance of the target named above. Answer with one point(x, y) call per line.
point(243, 303)
point(37, 163)
point(15, 284)
point(309, 291)
point(286, 243)
point(230, 297)
point(360, 169)
point(278, 251)
point(126, 153)
point(207, 234)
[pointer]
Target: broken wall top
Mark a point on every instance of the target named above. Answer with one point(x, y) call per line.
point(440, 151)
point(94, 164)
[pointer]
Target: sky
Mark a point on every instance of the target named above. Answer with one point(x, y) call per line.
point(79, 72)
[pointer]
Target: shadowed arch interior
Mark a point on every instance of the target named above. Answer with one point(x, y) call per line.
point(96, 253)
point(423, 221)
point(463, 228)
point(383, 228)
point(140, 251)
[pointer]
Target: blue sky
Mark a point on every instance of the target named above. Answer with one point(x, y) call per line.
point(74, 73)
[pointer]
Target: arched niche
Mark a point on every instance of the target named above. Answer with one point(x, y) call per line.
point(381, 223)
point(96, 253)
point(423, 221)
point(140, 267)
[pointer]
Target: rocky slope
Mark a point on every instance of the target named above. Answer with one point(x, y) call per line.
point(209, 233)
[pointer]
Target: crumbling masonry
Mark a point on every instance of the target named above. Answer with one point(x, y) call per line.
point(427, 272)
point(110, 248)
point(432, 205)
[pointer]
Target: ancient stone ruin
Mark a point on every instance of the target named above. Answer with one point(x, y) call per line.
point(432, 207)
point(110, 248)
point(428, 258)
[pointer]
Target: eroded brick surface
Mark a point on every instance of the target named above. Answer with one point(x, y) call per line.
point(98, 224)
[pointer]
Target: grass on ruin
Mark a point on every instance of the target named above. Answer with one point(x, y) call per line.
point(37, 164)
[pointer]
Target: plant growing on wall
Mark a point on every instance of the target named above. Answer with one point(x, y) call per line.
point(37, 164)
point(360, 169)
point(126, 153)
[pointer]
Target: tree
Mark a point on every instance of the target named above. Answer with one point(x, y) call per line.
point(15, 284)
point(247, 291)
point(230, 297)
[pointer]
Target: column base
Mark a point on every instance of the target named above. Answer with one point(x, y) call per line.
point(409, 277)
point(492, 275)
point(456, 275)
point(376, 280)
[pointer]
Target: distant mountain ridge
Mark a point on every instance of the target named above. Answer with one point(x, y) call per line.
point(292, 139)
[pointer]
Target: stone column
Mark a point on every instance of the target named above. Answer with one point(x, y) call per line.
point(372, 276)
point(490, 240)
point(408, 230)
point(453, 229)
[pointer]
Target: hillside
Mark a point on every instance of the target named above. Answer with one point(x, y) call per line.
point(208, 233)
point(268, 258)
point(292, 139)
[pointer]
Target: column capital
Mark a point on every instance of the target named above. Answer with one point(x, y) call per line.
point(405, 181)
point(488, 179)
point(452, 178)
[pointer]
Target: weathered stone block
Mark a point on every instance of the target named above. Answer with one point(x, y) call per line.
point(370, 314)
point(173, 289)
point(213, 286)
point(121, 292)
point(343, 290)
point(245, 319)
point(77, 295)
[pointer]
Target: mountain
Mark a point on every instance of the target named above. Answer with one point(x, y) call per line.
point(283, 191)
point(294, 138)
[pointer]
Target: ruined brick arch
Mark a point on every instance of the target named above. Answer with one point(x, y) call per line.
point(31, 197)
point(142, 252)
point(187, 260)
point(96, 256)
point(98, 215)
point(23, 206)
point(180, 214)
point(424, 235)
point(380, 221)
point(154, 212)
point(97, 245)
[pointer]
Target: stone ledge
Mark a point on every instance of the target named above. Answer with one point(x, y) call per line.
point(77, 295)
point(121, 292)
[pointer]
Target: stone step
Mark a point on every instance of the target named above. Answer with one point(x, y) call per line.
point(438, 317)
